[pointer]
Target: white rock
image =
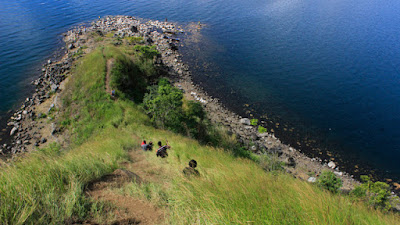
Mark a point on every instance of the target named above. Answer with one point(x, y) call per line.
point(331, 165)
point(338, 173)
point(312, 179)
point(245, 121)
point(13, 131)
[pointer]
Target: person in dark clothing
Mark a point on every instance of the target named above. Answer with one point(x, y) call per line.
point(162, 150)
point(150, 146)
point(189, 171)
point(147, 147)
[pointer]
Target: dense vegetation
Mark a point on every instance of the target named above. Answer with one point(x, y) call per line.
point(47, 186)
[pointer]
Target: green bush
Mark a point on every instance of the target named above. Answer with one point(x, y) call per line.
point(271, 163)
point(129, 79)
point(164, 105)
point(262, 129)
point(254, 122)
point(146, 52)
point(377, 194)
point(329, 181)
point(134, 40)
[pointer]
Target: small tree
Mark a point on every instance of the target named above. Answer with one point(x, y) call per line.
point(377, 194)
point(329, 181)
point(164, 105)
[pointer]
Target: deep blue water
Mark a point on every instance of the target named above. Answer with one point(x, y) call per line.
point(327, 69)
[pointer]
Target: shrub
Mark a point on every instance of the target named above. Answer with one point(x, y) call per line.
point(194, 120)
point(129, 79)
point(146, 52)
point(329, 181)
point(254, 122)
point(164, 105)
point(271, 163)
point(377, 194)
point(134, 40)
point(262, 129)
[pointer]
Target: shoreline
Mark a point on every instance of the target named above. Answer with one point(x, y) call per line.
point(29, 133)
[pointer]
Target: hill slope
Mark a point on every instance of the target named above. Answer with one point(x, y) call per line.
point(48, 186)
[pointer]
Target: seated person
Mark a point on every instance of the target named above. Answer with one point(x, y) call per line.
point(162, 150)
point(147, 147)
point(188, 171)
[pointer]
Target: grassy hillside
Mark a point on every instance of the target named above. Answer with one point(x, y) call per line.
point(47, 186)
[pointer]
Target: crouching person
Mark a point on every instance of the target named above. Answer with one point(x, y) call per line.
point(162, 150)
point(189, 171)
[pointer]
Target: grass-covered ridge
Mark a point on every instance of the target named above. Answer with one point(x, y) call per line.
point(47, 186)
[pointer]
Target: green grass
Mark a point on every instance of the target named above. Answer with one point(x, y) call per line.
point(47, 186)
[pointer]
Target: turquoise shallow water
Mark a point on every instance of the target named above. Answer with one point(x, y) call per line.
point(327, 69)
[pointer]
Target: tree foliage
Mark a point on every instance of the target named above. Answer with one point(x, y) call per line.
point(329, 181)
point(377, 194)
point(164, 105)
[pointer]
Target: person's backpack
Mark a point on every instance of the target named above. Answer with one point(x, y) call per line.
point(162, 152)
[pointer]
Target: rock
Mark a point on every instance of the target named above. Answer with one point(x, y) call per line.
point(99, 33)
point(338, 173)
point(331, 165)
point(13, 130)
point(49, 61)
point(253, 148)
point(71, 46)
point(254, 137)
point(51, 107)
point(262, 135)
point(53, 128)
point(312, 179)
point(54, 87)
point(25, 112)
point(134, 29)
point(245, 121)
point(43, 140)
point(276, 151)
point(289, 161)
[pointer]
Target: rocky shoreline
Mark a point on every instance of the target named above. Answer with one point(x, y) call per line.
point(34, 125)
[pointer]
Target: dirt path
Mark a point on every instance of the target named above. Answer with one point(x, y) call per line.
point(129, 210)
point(110, 64)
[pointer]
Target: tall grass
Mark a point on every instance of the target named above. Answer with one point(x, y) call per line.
point(47, 186)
